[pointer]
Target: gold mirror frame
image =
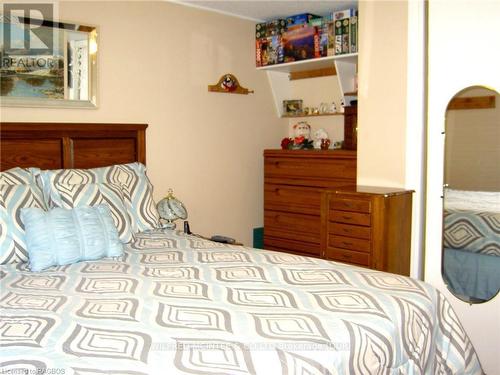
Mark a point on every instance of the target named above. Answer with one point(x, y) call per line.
point(471, 187)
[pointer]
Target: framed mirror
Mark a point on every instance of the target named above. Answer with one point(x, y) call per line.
point(46, 63)
point(471, 195)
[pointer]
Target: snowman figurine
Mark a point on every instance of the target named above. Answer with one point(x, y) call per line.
point(342, 106)
point(319, 135)
point(333, 108)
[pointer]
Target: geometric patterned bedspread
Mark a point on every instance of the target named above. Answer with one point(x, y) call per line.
point(177, 304)
point(473, 231)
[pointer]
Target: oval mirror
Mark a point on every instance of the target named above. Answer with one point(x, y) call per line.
point(471, 195)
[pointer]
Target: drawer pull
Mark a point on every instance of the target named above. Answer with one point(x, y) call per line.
point(345, 230)
point(346, 217)
point(346, 256)
point(345, 243)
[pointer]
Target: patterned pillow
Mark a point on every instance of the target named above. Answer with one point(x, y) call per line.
point(131, 178)
point(18, 190)
point(79, 234)
point(138, 192)
point(92, 194)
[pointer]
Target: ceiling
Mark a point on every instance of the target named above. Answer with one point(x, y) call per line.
point(262, 10)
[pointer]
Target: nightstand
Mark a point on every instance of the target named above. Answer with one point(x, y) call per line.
point(367, 226)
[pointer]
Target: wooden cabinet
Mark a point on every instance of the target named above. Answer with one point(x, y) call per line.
point(367, 226)
point(351, 128)
point(293, 182)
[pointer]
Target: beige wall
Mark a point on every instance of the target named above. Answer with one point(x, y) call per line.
point(383, 33)
point(156, 60)
point(472, 146)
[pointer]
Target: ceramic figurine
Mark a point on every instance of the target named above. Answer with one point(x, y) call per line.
point(302, 129)
point(325, 144)
point(333, 108)
point(342, 105)
point(319, 135)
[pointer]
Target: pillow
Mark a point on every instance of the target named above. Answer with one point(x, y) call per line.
point(92, 194)
point(60, 236)
point(488, 201)
point(131, 178)
point(138, 192)
point(18, 190)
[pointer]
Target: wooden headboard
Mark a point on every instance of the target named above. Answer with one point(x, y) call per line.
point(70, 145)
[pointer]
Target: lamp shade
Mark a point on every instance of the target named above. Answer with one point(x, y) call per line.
point(171, 209)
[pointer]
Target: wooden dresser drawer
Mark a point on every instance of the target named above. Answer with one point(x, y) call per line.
point(292, 199)
point(292, 226)
point(348, 256)
point(348, 230)
point(349, 243)
point(350, 217)
point(301, 168)
point(346, 204)
point(292, 246)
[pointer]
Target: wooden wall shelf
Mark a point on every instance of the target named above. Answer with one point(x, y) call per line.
point(323, 72)
point(473, 102)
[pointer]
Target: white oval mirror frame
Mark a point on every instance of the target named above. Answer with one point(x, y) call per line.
point(471, 195)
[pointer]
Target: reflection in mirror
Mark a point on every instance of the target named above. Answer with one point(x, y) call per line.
point(471, 197)
point(44, 63)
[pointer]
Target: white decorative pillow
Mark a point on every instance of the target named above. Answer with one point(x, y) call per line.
point(131, 179)
point(18, 190)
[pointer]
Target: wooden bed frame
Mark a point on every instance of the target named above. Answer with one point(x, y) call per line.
point(70, 145)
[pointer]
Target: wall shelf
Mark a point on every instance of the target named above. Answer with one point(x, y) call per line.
point(310, 64)
point(317, 115)
point(279, 76)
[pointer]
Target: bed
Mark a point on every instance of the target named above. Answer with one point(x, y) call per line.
point(471, 241)
point(175, 303)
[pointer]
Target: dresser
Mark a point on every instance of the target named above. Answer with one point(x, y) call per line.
point(293, 183)
point(367, 226)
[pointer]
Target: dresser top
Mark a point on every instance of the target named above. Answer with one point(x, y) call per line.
point(372, 190)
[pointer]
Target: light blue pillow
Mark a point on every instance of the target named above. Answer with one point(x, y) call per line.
point(64, 236)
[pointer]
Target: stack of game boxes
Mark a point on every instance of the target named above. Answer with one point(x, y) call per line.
point(305, 36)
point(268, 42)
point(343, 32)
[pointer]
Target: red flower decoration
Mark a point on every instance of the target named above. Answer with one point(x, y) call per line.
point(285, 142)
point(299, 140)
